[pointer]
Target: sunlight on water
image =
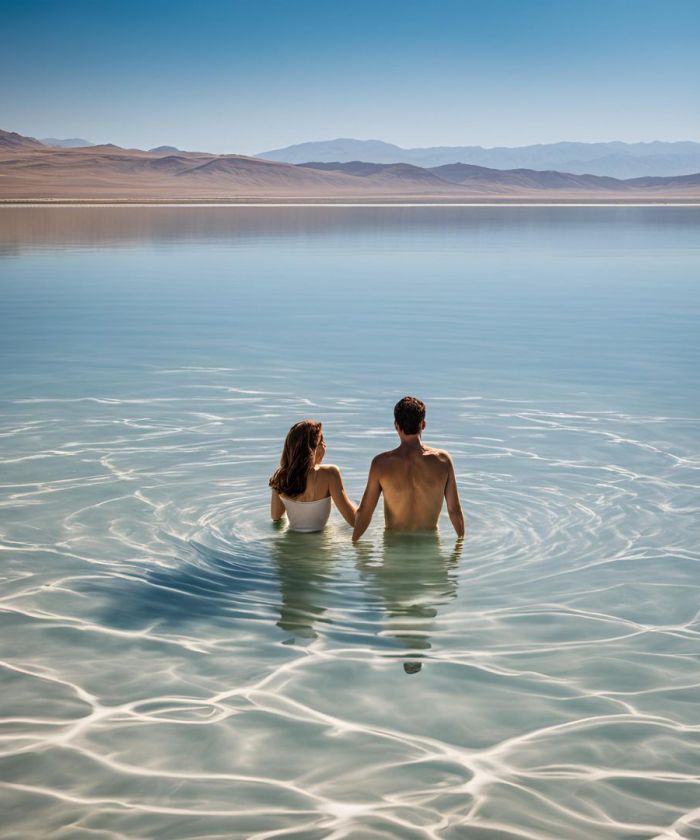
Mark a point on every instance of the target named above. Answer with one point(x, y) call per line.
point(176, 665)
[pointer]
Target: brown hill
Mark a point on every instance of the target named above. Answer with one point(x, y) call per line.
point(465, 174)
point(12, 140)
point(480, 180)
point(681, 181)
point(388, 172)
point(31, 171)
point(110, 174)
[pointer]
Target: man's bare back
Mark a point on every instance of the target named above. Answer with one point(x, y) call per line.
point(414, 479)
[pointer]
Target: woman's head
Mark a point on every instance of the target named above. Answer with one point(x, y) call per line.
point(303, 449)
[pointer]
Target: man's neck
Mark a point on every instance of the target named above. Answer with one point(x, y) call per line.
point(410, 442)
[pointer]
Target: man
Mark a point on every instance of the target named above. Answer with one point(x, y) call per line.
point(414, 479)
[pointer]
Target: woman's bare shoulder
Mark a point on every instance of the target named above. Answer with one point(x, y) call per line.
point(329, 469)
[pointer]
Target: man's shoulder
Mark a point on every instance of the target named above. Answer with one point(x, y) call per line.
point(383, 458)
point(432, 452)
point(441, 455)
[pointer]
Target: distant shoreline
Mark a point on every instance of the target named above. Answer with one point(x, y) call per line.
point(256, 203)
point(106, 175)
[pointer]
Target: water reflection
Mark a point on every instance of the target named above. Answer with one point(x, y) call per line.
point(30, 228)
point(407, 576)
point(305, 568)
point(411, 576)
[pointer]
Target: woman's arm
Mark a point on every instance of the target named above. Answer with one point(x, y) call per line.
point(340, 498)
point(276, 506)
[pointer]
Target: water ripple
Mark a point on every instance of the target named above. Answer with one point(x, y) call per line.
point(177, 666)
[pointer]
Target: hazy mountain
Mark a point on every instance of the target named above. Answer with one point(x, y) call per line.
point(69, 143)
point(164, 149)
point(617, 160)
point(341, 150)
point(30, 170)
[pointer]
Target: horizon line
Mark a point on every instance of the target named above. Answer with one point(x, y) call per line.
point(61, 204)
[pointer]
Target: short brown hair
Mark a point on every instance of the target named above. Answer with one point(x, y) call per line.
point(409, 414)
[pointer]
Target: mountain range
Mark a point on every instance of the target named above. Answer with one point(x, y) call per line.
point(32, 171)
point(466, 175)
point(68, 143)
point(79, 143)
point(616, 160)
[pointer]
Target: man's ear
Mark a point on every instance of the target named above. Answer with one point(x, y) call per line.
point(396, 425)
point(423, 425)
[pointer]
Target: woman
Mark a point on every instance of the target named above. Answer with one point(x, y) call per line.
point(302, 487)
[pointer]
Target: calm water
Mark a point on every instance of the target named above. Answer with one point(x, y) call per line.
point(175, 666)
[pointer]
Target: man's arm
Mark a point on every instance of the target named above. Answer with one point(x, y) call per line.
point(276, 506)
point(454, 506)
point(369, 502)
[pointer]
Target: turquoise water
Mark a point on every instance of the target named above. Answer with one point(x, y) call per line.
point(176, 666)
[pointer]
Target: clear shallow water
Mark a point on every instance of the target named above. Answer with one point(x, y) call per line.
point(176, 666)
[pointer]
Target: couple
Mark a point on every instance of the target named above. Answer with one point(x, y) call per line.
point(414, 479)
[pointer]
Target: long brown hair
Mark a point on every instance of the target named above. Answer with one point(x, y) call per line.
point(297, 458)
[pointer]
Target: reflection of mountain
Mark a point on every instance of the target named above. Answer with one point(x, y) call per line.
point(411, 576)
point(32, 171)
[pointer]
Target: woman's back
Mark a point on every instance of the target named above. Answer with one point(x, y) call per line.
point(307, 517)
point(310, 510)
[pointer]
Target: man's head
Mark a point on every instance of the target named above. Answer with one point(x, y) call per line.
point(409, 416)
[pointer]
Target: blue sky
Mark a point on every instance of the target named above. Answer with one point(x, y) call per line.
point(247, 77)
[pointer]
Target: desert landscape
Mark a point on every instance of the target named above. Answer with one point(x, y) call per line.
point(31, 171)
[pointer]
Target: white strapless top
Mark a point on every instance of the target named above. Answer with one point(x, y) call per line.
point(307, 517)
